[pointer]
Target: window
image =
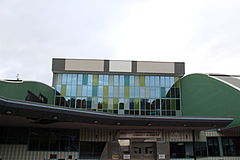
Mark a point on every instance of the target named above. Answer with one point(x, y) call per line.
point(213, 146)
point(231, 146)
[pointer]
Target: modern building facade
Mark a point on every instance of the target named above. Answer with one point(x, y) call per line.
point(111, 109)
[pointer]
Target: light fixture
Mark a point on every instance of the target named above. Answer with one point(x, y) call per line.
point(55, 117)
point(185, 125)
point(149, 124)
point(95, 121)
point(8, 112)
point(118, 123)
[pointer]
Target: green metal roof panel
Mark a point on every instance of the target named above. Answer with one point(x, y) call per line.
point(19, 90)
point(204, 95)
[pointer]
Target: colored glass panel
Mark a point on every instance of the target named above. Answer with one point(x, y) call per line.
point(126, 92)
point(110, 91)
point(116, 80)
point(85, 79)
point(142, 81)
point(110, 80)
point(105, 103)
point(95, 91)
point(105, 91)
point(80, 77)
point(115, 103)
point(64, 79)
point(63, 90)
point(95, 80)
point(100, 91)
point(136, 103)
point(126, 80)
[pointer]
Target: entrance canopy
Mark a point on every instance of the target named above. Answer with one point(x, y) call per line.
point(23, 113)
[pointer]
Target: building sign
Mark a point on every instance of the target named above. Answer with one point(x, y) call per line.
point(126, 156)
point(161, 156)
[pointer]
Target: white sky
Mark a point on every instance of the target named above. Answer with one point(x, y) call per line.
point(205, 34)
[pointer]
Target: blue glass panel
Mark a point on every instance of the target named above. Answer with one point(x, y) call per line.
point(131, 105)
point(137, 92)
point(73, 90)
point(58, 88)
point(100, 80)
point(131, 80)
point(68, 90)
point(84, 90)
point(69, 79)
point(157, 81)
point(90, 79)
point(100, 91)
point(121, 81)
point(126, 80)
point(162, 80)
point(152, 92)
point(152, 80)
point(89, 103)
point(94, 91)
point(80, 77)
point(121, 91)
point(64, 79)
point(167, 81)
point(85, 79)
point(105, 80)
point(147, 80)
point(132, 92)
point(143, 104)
point(89, 92)
point(116, 80)
point(74, 79)
point(171, 81)
point(158, 93)
point(110, 91)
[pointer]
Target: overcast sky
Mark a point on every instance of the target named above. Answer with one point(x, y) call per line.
point(205, 34)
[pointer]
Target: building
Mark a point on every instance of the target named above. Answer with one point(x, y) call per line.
point(110, 109)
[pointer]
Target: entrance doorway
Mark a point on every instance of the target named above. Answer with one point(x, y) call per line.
point(143, 151)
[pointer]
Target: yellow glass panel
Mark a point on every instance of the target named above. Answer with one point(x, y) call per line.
point(126, 92)
point(105, 91)
point(95, 80)
point(136, 103)
point(105, 103)
point(63, 90)
point(115, 103)
point(142, 81)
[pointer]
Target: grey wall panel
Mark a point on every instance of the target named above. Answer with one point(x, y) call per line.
point(58, 64)
point(84, 65)
point(180, 68)
point(155, 67)
point(120, 66)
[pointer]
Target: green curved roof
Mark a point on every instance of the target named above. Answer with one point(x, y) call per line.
point(211, 95)
point(19, 90)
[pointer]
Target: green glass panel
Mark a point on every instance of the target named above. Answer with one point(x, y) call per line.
point(142, 81)
point(110, 103)
point(105, 103)
point(173, 104)
point(110, 80)
point(163, 94)
point(94, 91)
point(63, 90)
point(177, 84)
point(115, 103)
point(126, 92)
point(105, 91)
point(79, 90)
point(126, 80)
point(95, 80)
point(136, 80)
point(136, 103)
point(85, 79)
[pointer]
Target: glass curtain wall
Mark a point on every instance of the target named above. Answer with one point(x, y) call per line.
point(119, 94)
